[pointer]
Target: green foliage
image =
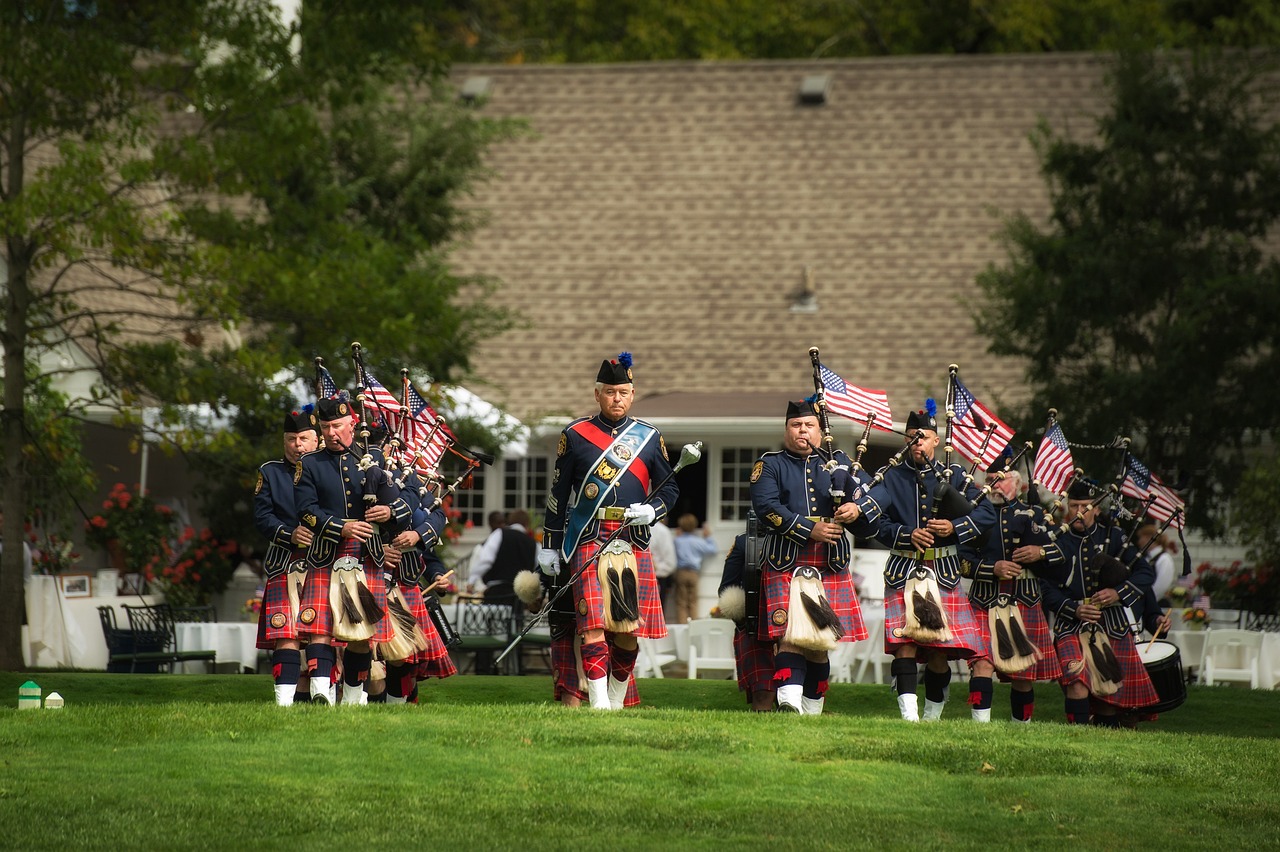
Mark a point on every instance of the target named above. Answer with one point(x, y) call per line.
point(645, 30)
point(1143, 305)
point(1255, 509)
point(691, 768)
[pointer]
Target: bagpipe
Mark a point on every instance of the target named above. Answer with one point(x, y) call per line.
point(842, 477)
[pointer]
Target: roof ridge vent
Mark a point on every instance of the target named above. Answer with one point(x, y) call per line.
point(813, 89)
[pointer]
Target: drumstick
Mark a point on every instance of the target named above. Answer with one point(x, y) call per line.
point(438, 580)
point(1154, 637)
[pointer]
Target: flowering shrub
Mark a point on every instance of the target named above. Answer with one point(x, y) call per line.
point(133, 528)
point(52, 554)
point(201, 568)
point(1196, 615)
point(1255, 589)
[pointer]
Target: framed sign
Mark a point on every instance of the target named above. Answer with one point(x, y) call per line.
point(75, 585)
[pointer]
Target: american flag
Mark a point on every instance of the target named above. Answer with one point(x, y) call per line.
point(854, 402)
point(416, 429)
point(1141, 484)
point(972, 421)
point(1054, 464)
point(328, 388)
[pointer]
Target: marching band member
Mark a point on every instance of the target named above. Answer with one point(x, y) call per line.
point(754, 656)
point(411, 540)
point(344, 560)
point(1005, 596)
point(605, 465)
point(1103, 576)
point(926, 613)
point(287, 541)
point(807, 599)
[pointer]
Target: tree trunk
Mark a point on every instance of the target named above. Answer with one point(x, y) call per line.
point(13, 336)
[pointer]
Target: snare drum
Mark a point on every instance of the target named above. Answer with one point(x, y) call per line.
point(1163, 662)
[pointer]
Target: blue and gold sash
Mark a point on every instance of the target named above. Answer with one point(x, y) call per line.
point(618, 456)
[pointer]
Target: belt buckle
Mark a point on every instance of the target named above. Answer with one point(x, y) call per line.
point(611, 513)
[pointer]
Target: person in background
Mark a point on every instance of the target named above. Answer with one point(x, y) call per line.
point(692, 546)
point(1160, 555)
point(663, 550)
point(507, 551)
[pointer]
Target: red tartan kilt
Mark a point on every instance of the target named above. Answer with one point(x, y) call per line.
point(315, 595)
point(435, 660)
point(965, 639)
point(775, 595)
point(275, 600)
point(1046, 668)
point(1136, 689)
point(755, 662)
point(587, 589)
point(565, 663)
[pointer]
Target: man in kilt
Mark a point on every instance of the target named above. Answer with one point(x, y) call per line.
point(605, 467)
point(1104, 579)
point(329, 487)
point(287, 540)
point(805, 546)
point(923, 555)
point(1006, 572)
point(411, 540)
point(754, 655)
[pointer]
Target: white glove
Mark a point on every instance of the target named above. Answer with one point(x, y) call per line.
point(549, 562)
point(640, 515)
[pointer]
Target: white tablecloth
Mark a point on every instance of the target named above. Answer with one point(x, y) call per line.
point(233, 642)
point(67, 632)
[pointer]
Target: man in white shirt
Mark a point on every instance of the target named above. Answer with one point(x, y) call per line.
point(663, 549)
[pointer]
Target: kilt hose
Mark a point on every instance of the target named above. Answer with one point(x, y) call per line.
point(566, 662)
point(276, 619)
point(965, 640)
point(755, 662)
point(1136, 689)
point(775, 596)
point(1046, 668)
point(435, 660)
point(315, 618)
point(589, 599)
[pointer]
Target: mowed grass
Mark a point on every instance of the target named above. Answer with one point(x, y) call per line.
point(207, 762)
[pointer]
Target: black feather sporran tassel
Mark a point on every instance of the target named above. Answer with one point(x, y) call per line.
point(1020, 639)
point(350, 612)
point(928, 613)
point(1004, 645)
point(369, 603)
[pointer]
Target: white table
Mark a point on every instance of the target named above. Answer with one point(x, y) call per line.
point(233, 641)
point(66, 632)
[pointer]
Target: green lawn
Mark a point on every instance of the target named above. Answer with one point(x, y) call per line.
point(191, 762)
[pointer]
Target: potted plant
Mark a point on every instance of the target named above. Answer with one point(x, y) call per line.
point(132, 529)
point(200, 567)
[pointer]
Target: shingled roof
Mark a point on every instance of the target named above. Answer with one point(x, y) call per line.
point(678, 211)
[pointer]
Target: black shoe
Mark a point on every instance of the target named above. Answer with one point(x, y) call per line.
point(788, 708)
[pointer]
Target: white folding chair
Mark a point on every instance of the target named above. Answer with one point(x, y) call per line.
point(842, 660)
point(871, 650)
point(711, 646)
point(1232, 655)
point(654, 655)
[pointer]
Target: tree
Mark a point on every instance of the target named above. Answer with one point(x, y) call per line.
point(1143, 306)
point(197, 205)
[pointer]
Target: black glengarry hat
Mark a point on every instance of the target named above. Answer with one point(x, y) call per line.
point(333, 409)
point(925, 418)
point(301, 421)
point(801, 408)
point(616, 371)
point(1079, 489)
